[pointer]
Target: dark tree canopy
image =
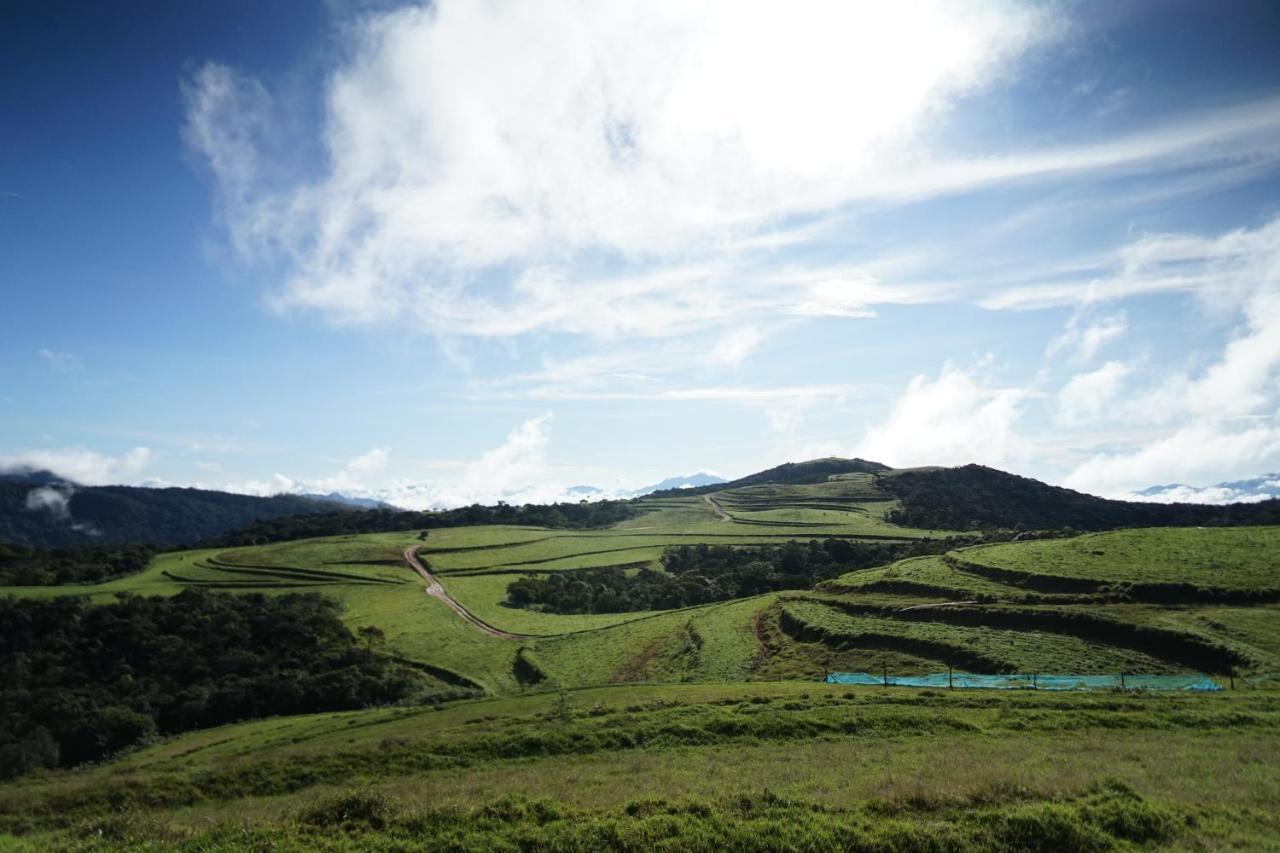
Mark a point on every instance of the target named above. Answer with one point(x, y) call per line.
point(564, 515)
point(114, 514)
point(23, 566)
point(700, 574)
point(974, 497)
point(80, 681)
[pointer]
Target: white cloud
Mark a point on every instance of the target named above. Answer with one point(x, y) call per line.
point(1084, 337)
point(1196, 452)
point(54, 501)
point(733, 394)
point(81, 465)
point(953, 420)
point(1204, 495)
point(1085, 397)
point(1224, 271)
point(464, 138)
point(59, 360)
point(358, 477)
point(734, 346)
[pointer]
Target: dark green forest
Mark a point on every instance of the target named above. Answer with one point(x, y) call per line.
point(974, 497)
point(700, 574)
point(24, 566)
point(81, 681)
point(580, 515)
point(112, 514)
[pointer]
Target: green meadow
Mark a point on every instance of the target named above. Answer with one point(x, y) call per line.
point(676, 728)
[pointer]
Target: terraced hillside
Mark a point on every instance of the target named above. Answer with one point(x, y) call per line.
point(1091, 604)
point(731, 685)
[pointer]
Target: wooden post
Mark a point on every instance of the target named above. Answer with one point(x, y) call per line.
point(1033, 682)
point(1122, 687)
point(950, 679)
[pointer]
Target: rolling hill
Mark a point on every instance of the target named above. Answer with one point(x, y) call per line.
point(522, 726)
point(43, 510)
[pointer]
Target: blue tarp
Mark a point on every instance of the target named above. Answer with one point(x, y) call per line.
point(1201, 683)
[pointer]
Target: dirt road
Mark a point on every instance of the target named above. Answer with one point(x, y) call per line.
point(717, 509)
point(435, 589)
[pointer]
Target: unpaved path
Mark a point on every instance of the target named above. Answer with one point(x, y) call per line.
point(717, 509)
point(434, 588)
point(938, 604)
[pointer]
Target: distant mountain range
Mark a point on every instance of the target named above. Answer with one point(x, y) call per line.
point(687, 481)
point(1235, 491)
point(349, 500)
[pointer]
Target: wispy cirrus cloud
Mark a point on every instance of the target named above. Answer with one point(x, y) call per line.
point(479, 157)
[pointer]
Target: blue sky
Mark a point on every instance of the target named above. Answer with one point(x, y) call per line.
point(468, 252)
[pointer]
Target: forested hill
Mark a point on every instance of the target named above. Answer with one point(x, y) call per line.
point(582, 515)
point(789, 473)
point(55, 514)
point(974, 497)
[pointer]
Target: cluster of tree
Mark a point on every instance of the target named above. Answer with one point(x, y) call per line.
point(80, 681)
point(699, 574)
point(61, 515)
point(974, 497)
point(24, 566)
point(580, 515)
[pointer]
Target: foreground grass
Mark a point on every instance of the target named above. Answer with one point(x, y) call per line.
point(755, 766)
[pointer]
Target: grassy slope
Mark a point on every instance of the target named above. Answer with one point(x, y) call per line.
point(932, 760)
point(924, 759)
point(1225, 558)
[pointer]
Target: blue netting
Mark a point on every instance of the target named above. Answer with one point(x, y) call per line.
point(1031, 682)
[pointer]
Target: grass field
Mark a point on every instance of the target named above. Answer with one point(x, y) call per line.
point(688, 727)
point(1028, 771)
point(1241, 558)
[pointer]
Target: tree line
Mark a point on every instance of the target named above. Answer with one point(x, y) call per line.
point(24, 566)
point(700, 574)
point(974, 497)
point(585, 514)
point(81, 681)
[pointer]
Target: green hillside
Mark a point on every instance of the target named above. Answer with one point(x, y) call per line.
point(664, 695)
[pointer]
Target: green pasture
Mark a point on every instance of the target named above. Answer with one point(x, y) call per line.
point(928, 768)
point(1230, 558)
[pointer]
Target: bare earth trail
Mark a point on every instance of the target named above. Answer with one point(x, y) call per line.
point(435, 589)
point(717, 509)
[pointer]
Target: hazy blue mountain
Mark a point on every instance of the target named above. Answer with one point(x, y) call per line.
point(688, 481)
point(1234, 491)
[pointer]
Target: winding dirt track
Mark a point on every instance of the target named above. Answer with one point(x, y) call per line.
point(717, 509)
point(435, 589)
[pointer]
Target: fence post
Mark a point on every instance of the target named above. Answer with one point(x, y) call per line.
point(1033, 682)
point(950, 680)
point(1122, 687)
